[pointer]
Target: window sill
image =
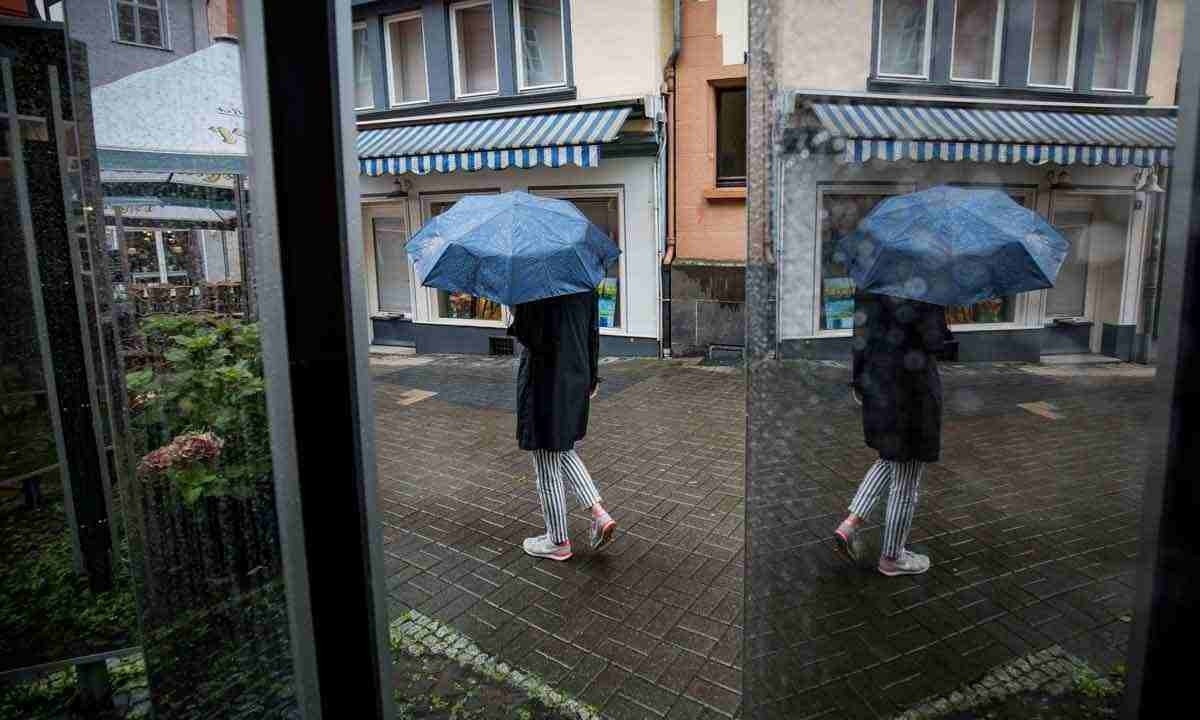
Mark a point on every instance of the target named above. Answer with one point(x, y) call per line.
point(128, 43)
point(725, 194)
point(977, 90)
point(468, 103)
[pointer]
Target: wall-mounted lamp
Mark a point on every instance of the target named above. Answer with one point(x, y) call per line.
point(1061, 179)
point(1146, 180)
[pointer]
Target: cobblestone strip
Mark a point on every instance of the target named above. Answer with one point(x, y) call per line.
point(1053, 669)
point(418, 634)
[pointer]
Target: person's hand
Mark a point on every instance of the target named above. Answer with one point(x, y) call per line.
point(595, 391)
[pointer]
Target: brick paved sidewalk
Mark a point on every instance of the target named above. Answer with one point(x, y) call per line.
point(1031, 520)
point(650, 627)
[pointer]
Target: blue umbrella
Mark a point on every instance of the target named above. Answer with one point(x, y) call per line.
point(952, 246)
point(511, 248)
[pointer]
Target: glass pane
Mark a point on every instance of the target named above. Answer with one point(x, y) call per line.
point(126, 23)
point(903, 27)
point(408, 61)
point(605, 213)
point(364, 88)
point(180, 255)
point(542, 42)
point(476, 61)
point(215, 266)
point(141, 247)
point(461, 306)
point(390, 235)
point(1116, 45)
point(731, 137)
point(149, 24)
point(976, 24)
point(1052, 53)
point(840, 215)
point(1068, 297)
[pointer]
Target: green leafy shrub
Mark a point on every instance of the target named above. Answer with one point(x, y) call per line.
point(199, 406)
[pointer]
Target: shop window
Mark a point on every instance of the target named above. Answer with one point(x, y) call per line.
point(904, 30)
point(1052, 48)
point(542, 61)
point(141, 247)
point(222, 257)
point(473, 41)
point(140, 21)
point(731, 137)
point(978, 26)
point(389, 236)
point(1116, 45)
point(364, 86)
point(605, 209)
point(159, 256)
point(458, 305)
point(405, 48)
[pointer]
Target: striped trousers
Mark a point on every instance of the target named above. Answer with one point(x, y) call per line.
point(552, 466)
point(902, 480)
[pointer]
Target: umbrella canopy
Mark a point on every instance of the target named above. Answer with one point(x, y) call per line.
point(953, 246)
point(511, 248)
point(185, 115)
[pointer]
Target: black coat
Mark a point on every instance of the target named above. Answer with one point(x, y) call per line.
point(896, 342)
point(559, 363)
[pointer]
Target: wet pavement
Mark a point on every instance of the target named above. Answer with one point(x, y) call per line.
point(1031, 520)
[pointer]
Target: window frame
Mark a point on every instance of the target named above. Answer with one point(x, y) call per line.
point(1139, 7)
point(997, 46)
point(456, 69)
point(371, 258)
point(355, 27)
point(727, 181)
point(164, 26)
point(519, 49)
point(927, 60)
point(1073, 65)
point(572, 192)
point(160, 248)
point(386, 23)
point(432, 310)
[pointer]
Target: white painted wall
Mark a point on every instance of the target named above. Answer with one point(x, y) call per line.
point(733, 27)
point(616, 46)
point(640, 232)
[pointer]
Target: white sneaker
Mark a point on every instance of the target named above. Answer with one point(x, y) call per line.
point(543, 547)
point(909, 563)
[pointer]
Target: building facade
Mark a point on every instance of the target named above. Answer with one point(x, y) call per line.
point(1066, 105)
point(551, 97)
point(707, 228)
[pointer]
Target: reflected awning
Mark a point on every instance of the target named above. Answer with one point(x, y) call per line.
point(950, 133)
point(524, 141)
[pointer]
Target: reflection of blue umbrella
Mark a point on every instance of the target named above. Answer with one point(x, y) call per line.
point(511, 248)
point(952, 246)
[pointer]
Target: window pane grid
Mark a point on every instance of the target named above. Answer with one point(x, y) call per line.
point(975, 54)
point(904, 29)
point(540, 43)
point(1052, 48)
point(474, 48)
point(139, 21)
point(406, 60)
point(364, 85)
point(731, 137)
point(1116, 45)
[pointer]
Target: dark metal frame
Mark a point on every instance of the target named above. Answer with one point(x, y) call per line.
point(315, 353)
point(727, 180)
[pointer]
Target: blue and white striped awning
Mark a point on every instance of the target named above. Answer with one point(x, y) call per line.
point(548, 139)
point(934, 132)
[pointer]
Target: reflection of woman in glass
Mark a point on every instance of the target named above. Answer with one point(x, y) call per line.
point(557, 380)
point(896, 376)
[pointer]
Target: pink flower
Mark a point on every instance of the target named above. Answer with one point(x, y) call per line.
point(198, 447)
point(157, 462)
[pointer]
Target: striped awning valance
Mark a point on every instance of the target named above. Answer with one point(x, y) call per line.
point(922, 133)
point(548, 139)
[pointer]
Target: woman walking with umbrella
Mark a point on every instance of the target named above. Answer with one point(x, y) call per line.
point(910, 257)
point(542, 258)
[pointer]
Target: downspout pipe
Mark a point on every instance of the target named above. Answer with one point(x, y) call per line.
point(672, 171)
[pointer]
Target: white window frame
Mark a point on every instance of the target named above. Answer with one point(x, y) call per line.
point(997, 49)
point(928, 45)
point(519, 42)
point(387, 57)
point(164, 26)
point(355, 27)
point(568, 192)
point(458, 76)
point(1071, 66)
point(1139, 7)
point(890, 189)
point(371, 254)
point(430, 295)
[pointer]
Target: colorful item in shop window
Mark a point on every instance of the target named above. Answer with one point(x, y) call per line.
point(607, 302)
point(511, 248)
point(839, 303)
point(952, 246)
